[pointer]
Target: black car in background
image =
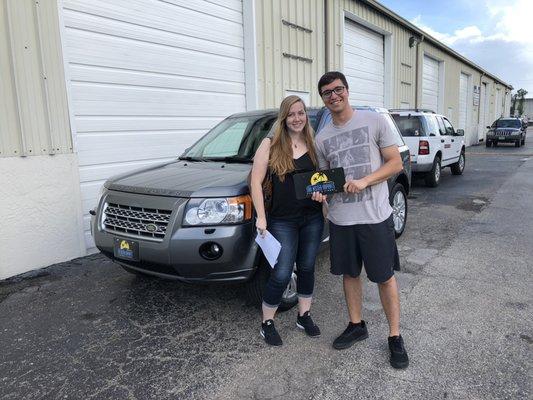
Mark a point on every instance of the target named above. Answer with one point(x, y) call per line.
point(192, 219)
point(507, 130)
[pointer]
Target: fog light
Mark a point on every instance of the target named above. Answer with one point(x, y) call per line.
point(211, 251)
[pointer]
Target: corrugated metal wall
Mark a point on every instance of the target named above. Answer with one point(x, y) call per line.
point(33, 102)
point(290, 49)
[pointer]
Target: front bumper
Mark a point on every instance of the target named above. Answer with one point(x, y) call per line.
point(504, 138)
point(177, 256)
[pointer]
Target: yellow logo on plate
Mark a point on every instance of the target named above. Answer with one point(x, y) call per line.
point(124, 245)
point(318, 177)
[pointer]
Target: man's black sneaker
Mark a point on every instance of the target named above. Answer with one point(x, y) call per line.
point(353, 333)
point(398, 354)
point(306, 323)
point(270, 334)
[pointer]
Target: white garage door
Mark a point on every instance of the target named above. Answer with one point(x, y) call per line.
point(147, 79)
point(498, 104)
point(430, 84)
point(463, 96)
point(364, 65)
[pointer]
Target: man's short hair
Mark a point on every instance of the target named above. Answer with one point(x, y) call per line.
point(329, 77)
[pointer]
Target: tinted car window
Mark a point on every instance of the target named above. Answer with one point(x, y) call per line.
point(394, 128)
point(507, 123)
point(448, 126)
point(433, 125)
point(409, 125)
point(442, 129)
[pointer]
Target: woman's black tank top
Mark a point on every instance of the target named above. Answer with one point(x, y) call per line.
point(284, 201)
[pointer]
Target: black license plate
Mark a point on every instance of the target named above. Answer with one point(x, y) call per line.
point(126, 249)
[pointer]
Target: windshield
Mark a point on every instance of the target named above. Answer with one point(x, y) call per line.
point(409, 126)
point(507, 123)
point(234, 139)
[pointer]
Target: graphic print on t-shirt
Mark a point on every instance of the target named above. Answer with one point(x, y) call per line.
point(351, 151)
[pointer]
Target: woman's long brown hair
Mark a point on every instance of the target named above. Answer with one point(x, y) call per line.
point(281, 160)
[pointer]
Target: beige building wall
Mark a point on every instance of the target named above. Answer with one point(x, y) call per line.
point(290, 49)
point(315, 36)
point(40, 203)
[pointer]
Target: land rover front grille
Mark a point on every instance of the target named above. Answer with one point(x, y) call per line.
point(142, 222)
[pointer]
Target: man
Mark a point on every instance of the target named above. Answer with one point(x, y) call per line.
point(360, 219)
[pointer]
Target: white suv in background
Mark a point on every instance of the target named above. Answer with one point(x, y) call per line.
point(433, 143)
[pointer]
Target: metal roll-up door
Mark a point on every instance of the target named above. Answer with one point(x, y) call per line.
point(430, 84)
point(147, 79)
point(364, 65)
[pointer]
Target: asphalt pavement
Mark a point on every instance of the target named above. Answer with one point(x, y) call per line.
point(86, 329)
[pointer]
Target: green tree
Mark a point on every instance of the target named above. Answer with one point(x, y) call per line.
point(520, 94)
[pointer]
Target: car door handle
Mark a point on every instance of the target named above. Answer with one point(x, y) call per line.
point(442, 140)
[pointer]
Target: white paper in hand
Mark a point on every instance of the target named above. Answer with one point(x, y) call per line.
point(270, 246)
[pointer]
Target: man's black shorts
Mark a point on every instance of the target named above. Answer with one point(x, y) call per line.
point(373, 245)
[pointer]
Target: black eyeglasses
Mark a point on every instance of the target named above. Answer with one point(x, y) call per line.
point(326, 94)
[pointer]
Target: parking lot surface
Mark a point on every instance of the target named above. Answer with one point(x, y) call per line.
point(86, 329)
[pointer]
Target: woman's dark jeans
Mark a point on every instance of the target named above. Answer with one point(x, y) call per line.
point(300, 240)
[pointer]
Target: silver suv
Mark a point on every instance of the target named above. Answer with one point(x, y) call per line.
point(433, 143)
point(192, 219)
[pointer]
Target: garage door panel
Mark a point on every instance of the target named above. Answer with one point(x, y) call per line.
point(163, 16)
point(87, 124)
point(463, 95)
point(103, 149)
point(93, 24)
point(364, 65)
point(365, 86)
point(96, 74)
point(101, 172)
point(94, 49)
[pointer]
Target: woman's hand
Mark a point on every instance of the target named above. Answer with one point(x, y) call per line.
point(261, 225)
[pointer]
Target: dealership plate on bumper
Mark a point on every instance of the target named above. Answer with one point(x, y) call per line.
point(126, 249)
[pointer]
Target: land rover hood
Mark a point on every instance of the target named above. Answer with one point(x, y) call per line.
point(185, 179)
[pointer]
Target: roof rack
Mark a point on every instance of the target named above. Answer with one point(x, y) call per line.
point(412, 109)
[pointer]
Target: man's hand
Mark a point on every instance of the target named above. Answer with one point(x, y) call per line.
point(355, 185)
point(317, 196)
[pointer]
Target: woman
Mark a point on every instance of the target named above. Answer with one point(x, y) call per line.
point(296, 224)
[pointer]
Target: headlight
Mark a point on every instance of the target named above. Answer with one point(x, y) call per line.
point(218, 211)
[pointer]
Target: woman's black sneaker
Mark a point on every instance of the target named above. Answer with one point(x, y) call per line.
point(306, 323)
point(270, 334)
point(353, 333)
point(398, 354)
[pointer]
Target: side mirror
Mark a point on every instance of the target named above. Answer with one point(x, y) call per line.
point(460, 132)
point(488, 127)
point(432, 134)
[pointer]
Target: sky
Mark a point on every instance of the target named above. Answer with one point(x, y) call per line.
point(497, 35)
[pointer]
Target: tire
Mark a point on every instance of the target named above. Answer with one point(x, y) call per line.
point(433, 177)
point(523, 141)
point(458, 167)
point(488, 144)
point(256, 286)
point(518, 142)
point(495, 144)
point(398, 202)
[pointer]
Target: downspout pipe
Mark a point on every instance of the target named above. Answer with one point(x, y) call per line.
point(417, 41)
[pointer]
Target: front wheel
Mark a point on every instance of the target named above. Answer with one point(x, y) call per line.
point(517, 144)
point(458, 167)
point(398, 202)
point(433, 176)
point(488, 144)
point(256, 287)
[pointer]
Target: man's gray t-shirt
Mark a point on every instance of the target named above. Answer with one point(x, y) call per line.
point(355, 146)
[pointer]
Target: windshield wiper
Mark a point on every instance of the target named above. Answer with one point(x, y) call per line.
point(189, 158)
point(233, 159)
